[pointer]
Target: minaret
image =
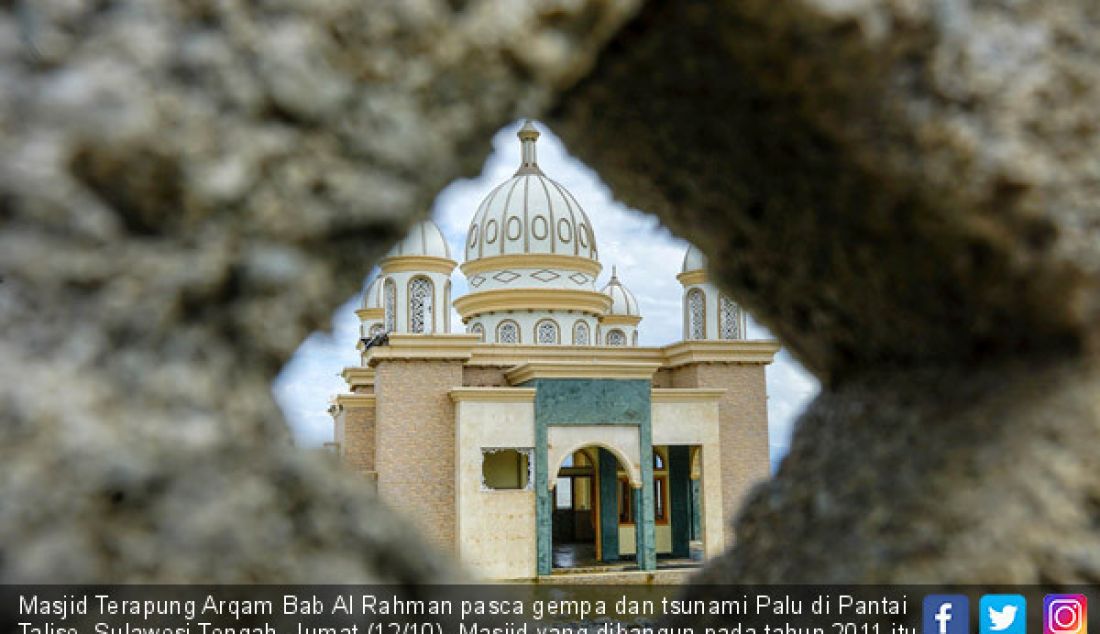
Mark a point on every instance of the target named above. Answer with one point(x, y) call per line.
point(415, 279)
point(708, 313)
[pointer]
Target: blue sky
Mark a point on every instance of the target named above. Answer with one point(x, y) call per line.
point(647, 255)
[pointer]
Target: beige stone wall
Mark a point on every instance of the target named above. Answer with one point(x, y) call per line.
point(495, 529)
point(698, 423)
point(484, 376)
point(415, 437)
point(357, 444)
point(743, 414)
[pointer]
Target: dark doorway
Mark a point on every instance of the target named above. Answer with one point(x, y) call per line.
point(587, 508)
point(575, 508)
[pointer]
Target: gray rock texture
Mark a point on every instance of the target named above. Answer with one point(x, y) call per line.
point(186, 189)
point(882, 183)
point(978, 476)
point(905, 192)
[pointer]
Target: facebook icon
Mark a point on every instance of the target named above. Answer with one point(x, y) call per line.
point(946, 614)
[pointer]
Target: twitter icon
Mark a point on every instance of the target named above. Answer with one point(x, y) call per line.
point(1002, 614)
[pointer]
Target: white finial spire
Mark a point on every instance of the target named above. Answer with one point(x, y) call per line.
point(528, 136)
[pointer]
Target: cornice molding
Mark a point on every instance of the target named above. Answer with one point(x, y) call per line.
point(560, 299)
point(355, 376)
point(532, 261)
point(674, 355)
point(370, 314)
point(417, 264)
point(684, 395)
point(423, 347)
point(620, 320)
point(720, 351)
point(352, 401)
point(592, 370)
point(698, 276)
point(493, 394)
point(506, 355)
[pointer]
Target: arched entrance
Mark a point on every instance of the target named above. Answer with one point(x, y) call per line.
point(592, 499)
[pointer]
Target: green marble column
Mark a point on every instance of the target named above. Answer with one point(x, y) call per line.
point(609, 506)
point(696, 510)
point(639, 539)
point(679, 502)
point(645, 519)
point(544, 504)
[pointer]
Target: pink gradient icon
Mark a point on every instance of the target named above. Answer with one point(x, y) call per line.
point(1065, 614)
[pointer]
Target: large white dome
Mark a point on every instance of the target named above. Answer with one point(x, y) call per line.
point(424, 239)
point(530, 214)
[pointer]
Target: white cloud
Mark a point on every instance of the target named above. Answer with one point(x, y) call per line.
point(647, 256)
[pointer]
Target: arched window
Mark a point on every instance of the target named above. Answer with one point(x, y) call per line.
point(389, 303)
point(447, 306)
point(696, 315)
point(546, 332)
point(508, 332)
point(580, 334)
point(616, 337)
point(730, 321)
point(420, 305)
point(479, 330)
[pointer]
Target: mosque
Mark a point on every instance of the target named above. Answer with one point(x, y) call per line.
point(537, 434)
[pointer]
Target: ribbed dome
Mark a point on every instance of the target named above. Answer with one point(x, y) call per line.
point(622, 300)
point(372, 297)
point(530, 213)
point(423, 239)
point(694, 260)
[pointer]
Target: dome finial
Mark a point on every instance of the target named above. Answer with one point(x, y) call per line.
point(614, 274)
point(528, 136)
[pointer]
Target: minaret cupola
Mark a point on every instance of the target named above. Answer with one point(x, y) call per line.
point(414, 287)
point(708, 313)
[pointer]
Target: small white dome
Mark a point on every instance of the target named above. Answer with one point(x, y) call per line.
point(530, 213)
point(622, 300)
point(424, 239)
point(372, 297)
point(694, 260)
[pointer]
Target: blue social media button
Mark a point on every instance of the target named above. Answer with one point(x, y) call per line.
point(1002, 614)
point(946, 614)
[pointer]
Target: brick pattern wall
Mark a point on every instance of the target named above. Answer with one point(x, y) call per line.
point(415, 437)
point(743, 415)
point(662, 378)
point(358, 442)
point(481, 376)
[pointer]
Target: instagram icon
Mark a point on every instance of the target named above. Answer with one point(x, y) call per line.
point(1065, 614)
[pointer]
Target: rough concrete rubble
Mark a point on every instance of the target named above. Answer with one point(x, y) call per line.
point(907, 194)
point(186, 188)
point(904, 192)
